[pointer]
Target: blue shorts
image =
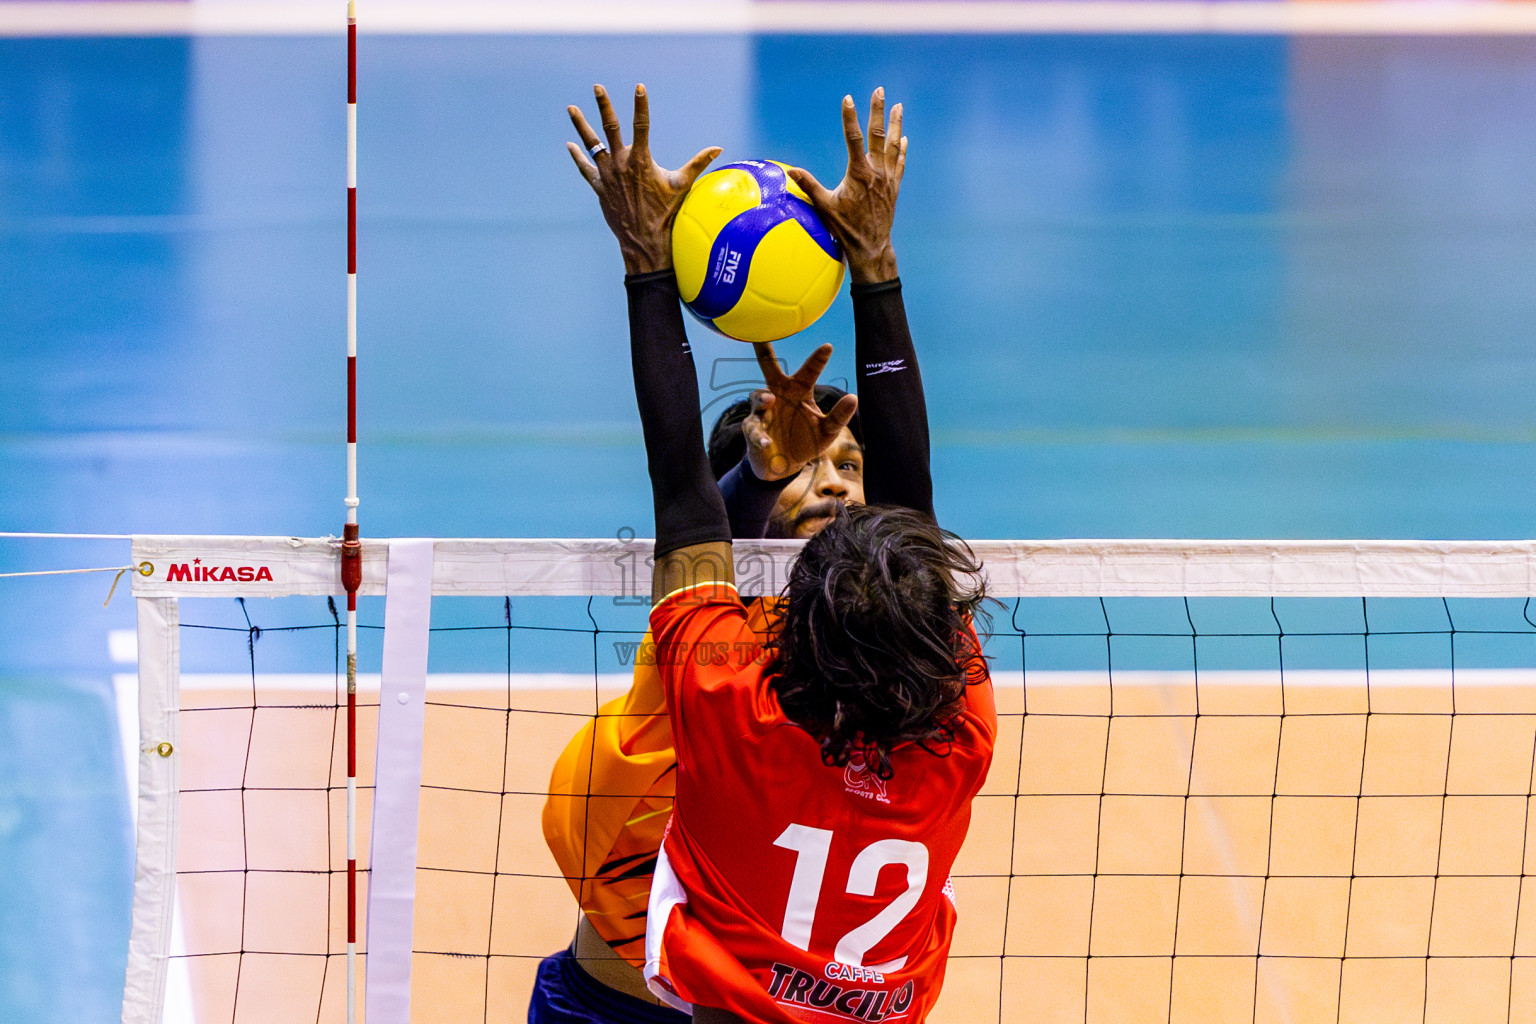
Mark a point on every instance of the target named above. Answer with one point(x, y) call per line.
point(563, 993)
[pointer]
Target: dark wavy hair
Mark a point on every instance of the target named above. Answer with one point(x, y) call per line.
point(727, 445)
point(874, 648)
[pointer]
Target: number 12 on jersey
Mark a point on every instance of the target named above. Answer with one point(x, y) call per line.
point(811, 846)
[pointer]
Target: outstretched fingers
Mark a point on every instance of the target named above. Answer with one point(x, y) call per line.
point(686, 175)
point(755, 426)
point(895, 143)
point(641, 140)
point(802, 384)
point(610, 119)
point(810, 370)
point(587, 168)
point(808, 184)
point(584, 162)
point(583, 129)
point(768, 363)
point(851, 133)
point(877, 122)
point(839, 417)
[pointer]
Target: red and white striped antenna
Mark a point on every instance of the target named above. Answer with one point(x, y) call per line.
point(351, 545)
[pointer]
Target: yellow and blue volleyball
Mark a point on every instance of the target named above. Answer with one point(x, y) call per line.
point(754, 261)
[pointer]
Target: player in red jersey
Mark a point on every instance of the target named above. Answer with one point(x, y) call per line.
point(825, 779)
point(822, 796)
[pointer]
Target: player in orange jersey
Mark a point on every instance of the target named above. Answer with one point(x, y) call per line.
point(858, 742)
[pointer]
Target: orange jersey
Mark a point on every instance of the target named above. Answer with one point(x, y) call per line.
point(610, 797)
point(788, 890)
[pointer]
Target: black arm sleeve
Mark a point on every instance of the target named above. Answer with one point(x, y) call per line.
point(891, 406)
point(749, 501)
point(689, 509)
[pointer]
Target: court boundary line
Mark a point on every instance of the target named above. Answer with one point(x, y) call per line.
point(45, 18)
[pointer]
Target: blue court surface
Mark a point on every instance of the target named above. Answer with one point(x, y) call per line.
point(1161, 287)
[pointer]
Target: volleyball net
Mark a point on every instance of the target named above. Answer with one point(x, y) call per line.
point(1234, 781)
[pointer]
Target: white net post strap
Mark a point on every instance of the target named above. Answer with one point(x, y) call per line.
point(397, 783)
point(154, 881)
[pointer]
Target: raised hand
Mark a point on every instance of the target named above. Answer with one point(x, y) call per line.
point(638, 197)
point(860, 209)
point(786, 429)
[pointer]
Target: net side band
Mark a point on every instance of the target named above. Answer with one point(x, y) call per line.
point(225, 566)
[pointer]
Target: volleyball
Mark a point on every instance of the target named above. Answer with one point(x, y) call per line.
point(754, 262)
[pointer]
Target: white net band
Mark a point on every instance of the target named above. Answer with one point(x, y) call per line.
point(282, 566)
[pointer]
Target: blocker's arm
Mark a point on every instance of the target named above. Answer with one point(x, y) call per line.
point(639, 198)
point(894, 411)
point(693, 533)
point(860, 211)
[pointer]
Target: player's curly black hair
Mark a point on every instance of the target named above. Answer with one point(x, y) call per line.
point(727, 445)
point(874, 648)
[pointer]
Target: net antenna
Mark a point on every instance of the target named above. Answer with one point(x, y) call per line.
point(351, 545)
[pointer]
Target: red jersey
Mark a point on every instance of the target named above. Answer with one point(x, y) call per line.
point(788, 890)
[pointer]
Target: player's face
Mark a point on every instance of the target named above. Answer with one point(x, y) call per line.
point(814, 497)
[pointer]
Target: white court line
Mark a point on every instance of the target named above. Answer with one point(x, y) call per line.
point(617, 682)
point(629, 17)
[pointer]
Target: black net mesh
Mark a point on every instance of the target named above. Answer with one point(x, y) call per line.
point(1199, 810)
